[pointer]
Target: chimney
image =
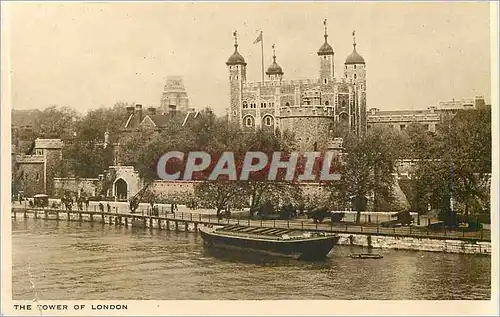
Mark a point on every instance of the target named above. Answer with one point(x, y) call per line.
point(138, 114)
point(130, 110)
point(152, 111)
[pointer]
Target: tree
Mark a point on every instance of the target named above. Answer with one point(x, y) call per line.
point(367, 168)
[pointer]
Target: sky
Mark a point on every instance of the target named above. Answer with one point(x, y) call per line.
point(88, 55)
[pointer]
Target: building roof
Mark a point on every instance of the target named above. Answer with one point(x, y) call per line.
point(354, 57)
point(274, 68)
point(325, 49)
point(159, 120)
point(236, 58)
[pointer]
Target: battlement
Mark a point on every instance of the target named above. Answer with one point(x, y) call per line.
point(274, 83)
point(307, 111)
point(48, 144)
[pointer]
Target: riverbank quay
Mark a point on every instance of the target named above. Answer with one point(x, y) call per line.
point(374, 236)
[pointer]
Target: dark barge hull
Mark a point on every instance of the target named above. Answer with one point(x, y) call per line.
point(303, 249)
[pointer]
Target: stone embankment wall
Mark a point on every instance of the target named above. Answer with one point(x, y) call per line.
point(417, 244)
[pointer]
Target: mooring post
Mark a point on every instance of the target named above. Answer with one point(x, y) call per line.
point(45, 214)
point(316, 226)
point(57, 215)
point(80, 216)
point(159, 223)
point(195, 227)
point(302, 225)
point(186, 226)
point(25, 215)
point(69, 216)
point(191, 217)
point(110, 221)
point(176, 226)
point(91, 217)
point(167, 225)
point(151, 222)
point(144, 221)
point(126, 221)
point(102, 218)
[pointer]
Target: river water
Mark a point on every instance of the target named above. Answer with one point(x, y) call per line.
point(91, 261)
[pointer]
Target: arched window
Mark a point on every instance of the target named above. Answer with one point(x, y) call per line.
point(249, 121)
point(326, 103)
point(268, 121)
point(245, 105)
point(355, 76)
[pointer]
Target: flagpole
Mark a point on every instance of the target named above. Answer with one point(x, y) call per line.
point(262, 50)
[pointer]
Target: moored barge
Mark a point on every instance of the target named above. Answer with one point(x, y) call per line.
point(276, 241)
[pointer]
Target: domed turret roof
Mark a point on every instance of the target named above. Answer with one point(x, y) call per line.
point(354, 58)
point(325, 49)
point(236, 58)
point(274, 69)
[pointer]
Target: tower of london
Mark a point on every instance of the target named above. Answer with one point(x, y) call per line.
point(310, 108)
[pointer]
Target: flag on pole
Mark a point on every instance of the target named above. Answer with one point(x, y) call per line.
point(258, 39)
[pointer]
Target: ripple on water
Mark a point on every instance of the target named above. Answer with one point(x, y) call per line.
point(71, 260)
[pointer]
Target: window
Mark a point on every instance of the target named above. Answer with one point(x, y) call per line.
point(245, 105)
point(355, 76)
point(325, 81)
point(402, 127)
point(354, 66)
point(324, 57)
point(249, 121)
point(426, 126)
point(326, 103)
point(263, 105)
point(368, 126)
point(253, 105)
point(287, 104)
point(37, 176)
point(268, 121)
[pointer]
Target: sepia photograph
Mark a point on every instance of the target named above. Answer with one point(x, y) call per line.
point(264, 154)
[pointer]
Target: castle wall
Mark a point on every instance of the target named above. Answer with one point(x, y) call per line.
point(86, 186)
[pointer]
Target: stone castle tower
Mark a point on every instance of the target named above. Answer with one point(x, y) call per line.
point(174, 96)
point(312, 109)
